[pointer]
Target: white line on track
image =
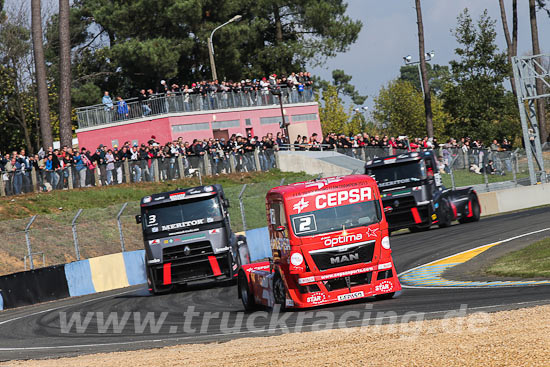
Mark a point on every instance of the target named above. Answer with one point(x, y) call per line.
point(463, 252)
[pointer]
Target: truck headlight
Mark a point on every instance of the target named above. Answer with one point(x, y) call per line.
point(296, 259)
point(386, 243)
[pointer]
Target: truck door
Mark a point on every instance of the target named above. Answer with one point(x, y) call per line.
point(278, 236)
point(432, 172)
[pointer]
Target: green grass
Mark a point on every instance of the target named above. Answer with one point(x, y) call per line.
point(466, 178)
point(531, 262)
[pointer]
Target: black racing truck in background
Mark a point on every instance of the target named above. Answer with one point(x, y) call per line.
point(413, 195)
point(188, 238)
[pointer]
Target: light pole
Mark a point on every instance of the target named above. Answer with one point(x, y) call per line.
point(211, 46)
point(284, 124)
point(408, 61)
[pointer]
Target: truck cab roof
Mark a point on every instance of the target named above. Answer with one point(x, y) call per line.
point(324, 184)
point(182, 194)
point(399, 158)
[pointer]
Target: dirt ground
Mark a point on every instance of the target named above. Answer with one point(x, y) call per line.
point(507, 338)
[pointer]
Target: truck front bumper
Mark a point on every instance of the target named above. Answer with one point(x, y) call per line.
point(345, 285)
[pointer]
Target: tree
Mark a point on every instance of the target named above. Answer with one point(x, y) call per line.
point(65, 125)
point(541, 114)
point(16, 97)
point(40, 68)
point(399, 109)
point(511, 42)
point(477, 100)
point(331, 113)
point(341, 81)
point(131, 44)
point(423, 72)
point(438, 76)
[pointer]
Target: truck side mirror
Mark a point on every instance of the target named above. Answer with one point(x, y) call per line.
point(138, 219)
point(280, 228)
point(388, 209)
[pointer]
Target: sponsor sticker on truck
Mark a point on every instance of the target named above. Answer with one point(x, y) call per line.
point(350, 296)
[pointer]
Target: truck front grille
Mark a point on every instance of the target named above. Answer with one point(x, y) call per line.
point(338, 256)
point(354, 280)
point(190, 261)
point(401, 215)
point(187, 252)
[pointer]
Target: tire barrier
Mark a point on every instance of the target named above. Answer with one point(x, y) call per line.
point(34, 286)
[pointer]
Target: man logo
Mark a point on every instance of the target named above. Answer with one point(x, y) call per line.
point(344, 258)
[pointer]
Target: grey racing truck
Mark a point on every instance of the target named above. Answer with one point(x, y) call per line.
point(188, 238)
point(413, 195)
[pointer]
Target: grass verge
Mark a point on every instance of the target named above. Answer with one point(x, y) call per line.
point(531, 262)
point(466, 178)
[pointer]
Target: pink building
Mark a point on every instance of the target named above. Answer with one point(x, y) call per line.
point(222, 123)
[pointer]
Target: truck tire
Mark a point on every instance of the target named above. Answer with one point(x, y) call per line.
point(473, 201)
point(156, 289)
point(445, 214)
point(279, 291)
point(244, 293)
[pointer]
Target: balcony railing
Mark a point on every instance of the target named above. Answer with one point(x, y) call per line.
point(160, 104)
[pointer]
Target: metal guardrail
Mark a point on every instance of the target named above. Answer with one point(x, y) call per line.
point(161, 104)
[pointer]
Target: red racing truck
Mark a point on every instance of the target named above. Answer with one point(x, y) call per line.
point(330, 243)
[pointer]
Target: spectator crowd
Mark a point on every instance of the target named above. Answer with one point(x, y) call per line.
point(55, 167)
point(205, 95)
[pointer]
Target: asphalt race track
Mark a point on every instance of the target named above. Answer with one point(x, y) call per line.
point(35, 331)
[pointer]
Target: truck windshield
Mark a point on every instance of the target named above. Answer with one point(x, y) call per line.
point(181, 214)
point(333, 219)
point(397, 173)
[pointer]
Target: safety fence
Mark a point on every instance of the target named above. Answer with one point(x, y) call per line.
point(45, 240)
point(188, 102)
point(485, 169)
point(157, 169)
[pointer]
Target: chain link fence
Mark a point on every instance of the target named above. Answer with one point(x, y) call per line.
point(484, 169)
point(82, 234)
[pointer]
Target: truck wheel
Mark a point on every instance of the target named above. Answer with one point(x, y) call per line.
point(445, 214)
point(473, 201)
point(156, 289)
point(381, 297)
point(279, 291)
point(244, 292)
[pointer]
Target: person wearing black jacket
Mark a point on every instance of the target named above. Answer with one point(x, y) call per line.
point(143, 101)
point(99, 158)
point(120, 156)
